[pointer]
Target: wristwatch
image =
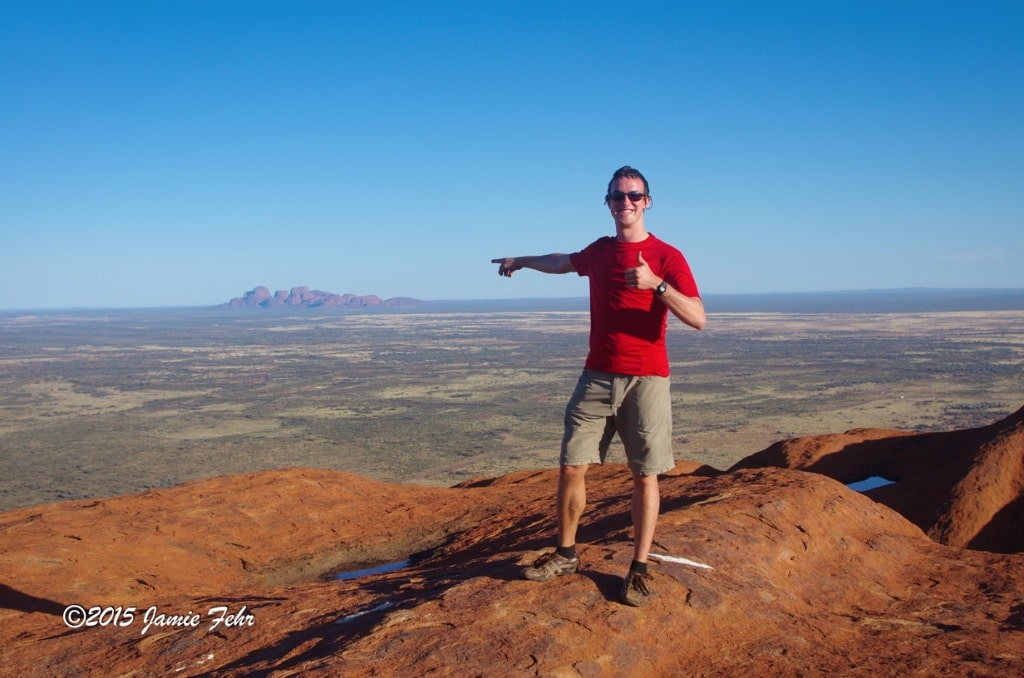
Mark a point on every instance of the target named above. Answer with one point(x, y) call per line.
point(660, 289)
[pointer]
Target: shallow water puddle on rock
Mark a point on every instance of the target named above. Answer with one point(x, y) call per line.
point(379, 569)
point(870, 483)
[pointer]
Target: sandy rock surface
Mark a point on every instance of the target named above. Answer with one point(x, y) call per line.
point(764, 570)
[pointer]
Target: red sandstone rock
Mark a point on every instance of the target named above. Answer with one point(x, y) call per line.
point(804, 577)
point(964, 488)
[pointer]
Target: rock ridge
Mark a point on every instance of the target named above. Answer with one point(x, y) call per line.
point(963, 488)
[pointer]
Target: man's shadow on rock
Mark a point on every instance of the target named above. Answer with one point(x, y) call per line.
point(13, 599)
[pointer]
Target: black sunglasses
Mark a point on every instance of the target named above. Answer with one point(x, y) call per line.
point(619, 196)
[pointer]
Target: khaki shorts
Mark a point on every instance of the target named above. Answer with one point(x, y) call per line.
point(639, 409)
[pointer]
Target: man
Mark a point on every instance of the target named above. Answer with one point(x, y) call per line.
point(635, 280)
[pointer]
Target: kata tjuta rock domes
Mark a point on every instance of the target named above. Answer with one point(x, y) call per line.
point(303, 297)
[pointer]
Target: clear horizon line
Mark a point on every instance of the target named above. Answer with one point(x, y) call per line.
point(708, 295)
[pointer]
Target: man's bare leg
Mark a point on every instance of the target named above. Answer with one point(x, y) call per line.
point(571, 501)
point(646, 504)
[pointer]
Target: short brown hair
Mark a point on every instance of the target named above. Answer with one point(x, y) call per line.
point(627, 172)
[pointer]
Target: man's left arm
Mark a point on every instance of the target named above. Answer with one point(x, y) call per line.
point(690, 310)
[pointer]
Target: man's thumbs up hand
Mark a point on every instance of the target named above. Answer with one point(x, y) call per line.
point(641, 277)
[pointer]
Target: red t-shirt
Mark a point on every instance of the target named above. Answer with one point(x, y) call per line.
point(627, 326)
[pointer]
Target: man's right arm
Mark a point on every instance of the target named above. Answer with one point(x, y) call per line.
point(547, 263)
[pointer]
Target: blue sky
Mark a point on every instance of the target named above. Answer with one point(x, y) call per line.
point(180, 153)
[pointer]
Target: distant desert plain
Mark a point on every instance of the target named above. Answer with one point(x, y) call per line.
point(97, 404)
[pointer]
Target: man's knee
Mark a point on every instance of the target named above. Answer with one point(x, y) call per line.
point(645, 482)
point(573, 471)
